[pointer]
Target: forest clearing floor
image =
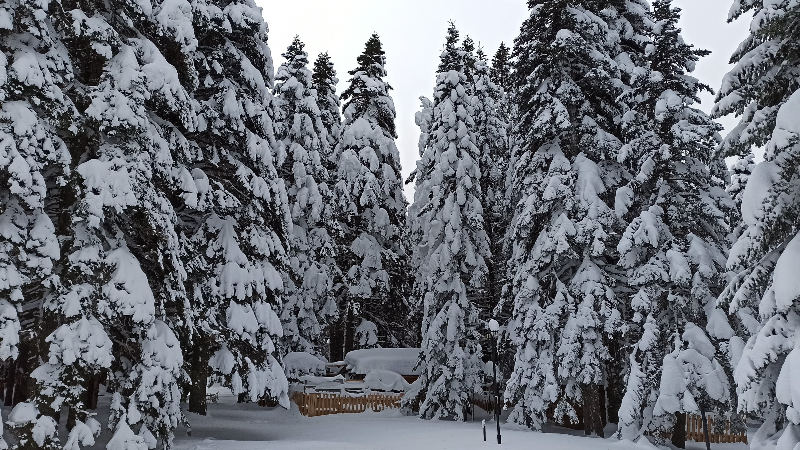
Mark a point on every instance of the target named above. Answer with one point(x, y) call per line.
point(232, 426)
point(247, 426)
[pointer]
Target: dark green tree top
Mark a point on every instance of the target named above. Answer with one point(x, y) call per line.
point(368, 94)
point(451, 58)
point(501, 67)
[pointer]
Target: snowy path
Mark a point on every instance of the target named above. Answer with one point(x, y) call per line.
point(231, 426)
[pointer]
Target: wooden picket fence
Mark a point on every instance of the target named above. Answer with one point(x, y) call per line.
point(484, 402)
point(694, 432)
point(318, 404)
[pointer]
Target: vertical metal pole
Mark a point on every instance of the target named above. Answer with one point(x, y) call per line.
point(496, 388)
point(705, 427)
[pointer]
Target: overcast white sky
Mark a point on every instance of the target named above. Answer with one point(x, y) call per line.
point(413, 32)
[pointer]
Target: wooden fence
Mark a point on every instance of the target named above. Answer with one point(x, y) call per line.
point(694, 432)
point(313, 405)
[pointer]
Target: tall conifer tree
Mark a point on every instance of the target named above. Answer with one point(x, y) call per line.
point(451, 254)
point(675, 243)
point(237, 241)
point(762, 299)
point(308, 282)
point(562, 234)
point(370, 202)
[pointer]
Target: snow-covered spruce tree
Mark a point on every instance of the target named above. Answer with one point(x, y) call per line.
point(492, 141)
point(501, 74)
point(675, 244)
point(35, 118)
point(34, 165)
point(121, 275)
point(500, 71)
point(563, 228)
point(762, 300)
point(416, 230)
point(308, 300)
point(450, 256)
point(370, 203)
point(324, 82)
point(238, 242)
point(764, 75)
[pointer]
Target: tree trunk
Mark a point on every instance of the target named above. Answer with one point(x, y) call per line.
point(679, 431)
point(615, 386)
point(349, 332)
point(11, 371)
point(336, 334)
point(71, 419)
point(22, 380)
point(592, 417)
point(199, 380)
point(92, 392)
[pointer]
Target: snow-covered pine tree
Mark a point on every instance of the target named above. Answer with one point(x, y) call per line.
point(308, 300)
point(500, 71)
point(762, 299)
point(492, 141)
point(675, 244)
point(501, 74)
point(324, 82)
point(121, 274)
point(633, 23)
point(35, 117)
point(371, 205)
point(237, 242)
point(416, 230)
point(763, 77)
point(451, 255)
point(563, 227)
point(34, 166)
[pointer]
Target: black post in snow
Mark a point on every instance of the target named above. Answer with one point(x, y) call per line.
point(494, 327)
point(705, 426)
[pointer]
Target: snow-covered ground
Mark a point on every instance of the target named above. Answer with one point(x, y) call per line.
point(246, 426)
point(231, 426)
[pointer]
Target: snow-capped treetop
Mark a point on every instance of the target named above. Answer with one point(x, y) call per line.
point(325, 82)
point(501, 67)
point(367, 93)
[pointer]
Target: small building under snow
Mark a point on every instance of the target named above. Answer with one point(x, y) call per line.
point(402, 361)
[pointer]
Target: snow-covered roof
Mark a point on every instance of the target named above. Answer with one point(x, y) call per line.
point(302, 363)
point(385, 380)
point(399, 360)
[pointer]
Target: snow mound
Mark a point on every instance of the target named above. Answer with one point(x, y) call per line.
point(789, 113)
point(386, 380)
point(24, 413)
point(398, 360)
point(297, 364)
point(764, 176)
point(786, 283)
